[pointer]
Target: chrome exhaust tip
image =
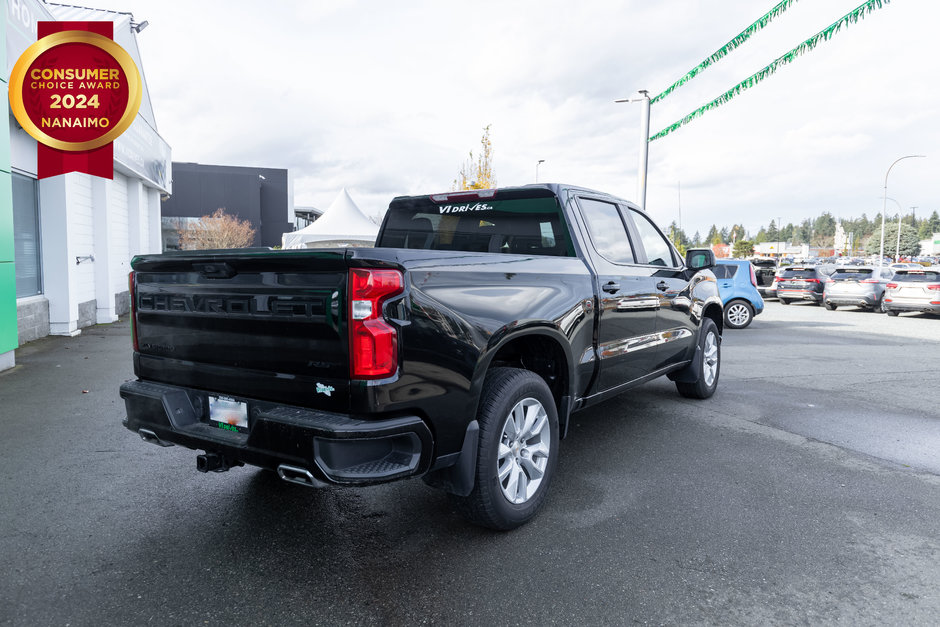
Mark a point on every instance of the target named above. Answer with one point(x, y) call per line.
point(300, 476)
point(149, 436)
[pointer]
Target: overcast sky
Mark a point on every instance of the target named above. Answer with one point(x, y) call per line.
point(387, 98)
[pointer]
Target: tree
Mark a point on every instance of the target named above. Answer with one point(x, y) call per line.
point(219, 230)
point(743, 248)
point(910, 244)
point(773, 234)
point(478, 174)
point(712, 237)
point(678, 237)
point(696, 239)
point(929, 226)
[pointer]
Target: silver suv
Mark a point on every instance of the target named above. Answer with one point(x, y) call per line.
point(861, 286)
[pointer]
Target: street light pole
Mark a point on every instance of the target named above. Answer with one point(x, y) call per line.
point(884, 209)
point(642, 96)
point(537, 164)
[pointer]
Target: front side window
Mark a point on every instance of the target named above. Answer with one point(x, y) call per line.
point(607, 230)
point(26, 250)
point(658, 250)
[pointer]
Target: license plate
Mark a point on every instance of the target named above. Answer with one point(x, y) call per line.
point(229, 414)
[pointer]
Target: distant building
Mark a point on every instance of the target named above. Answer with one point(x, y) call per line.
point(931, 246)
point(262, 196)
point(305, 216)
point(722, 251)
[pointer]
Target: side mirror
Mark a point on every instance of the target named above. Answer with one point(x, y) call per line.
point(699, 259)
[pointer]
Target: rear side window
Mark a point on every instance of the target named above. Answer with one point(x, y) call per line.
point(523, 226)
point(920, 276)
point(724, 271)
point(608, 234)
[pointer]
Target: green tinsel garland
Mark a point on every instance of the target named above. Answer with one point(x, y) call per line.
point(728, 47)
point(824, 35)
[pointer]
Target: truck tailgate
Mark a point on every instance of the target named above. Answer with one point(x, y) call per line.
point(266, 325)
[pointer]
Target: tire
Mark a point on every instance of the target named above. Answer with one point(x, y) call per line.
point(891, 312)
point(512, 473)
point(710, 363)
point(738, 314)
point(880, 305)
point(831, 307)
point(784, 301)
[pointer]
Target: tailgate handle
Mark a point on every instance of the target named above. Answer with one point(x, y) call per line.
point(219, 270)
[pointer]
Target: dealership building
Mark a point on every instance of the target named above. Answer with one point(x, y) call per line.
point(66, 241)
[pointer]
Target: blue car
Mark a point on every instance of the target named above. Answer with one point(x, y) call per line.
point(737, 285)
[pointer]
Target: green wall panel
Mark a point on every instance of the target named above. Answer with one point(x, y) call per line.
point(8, 338)
point(6, 218)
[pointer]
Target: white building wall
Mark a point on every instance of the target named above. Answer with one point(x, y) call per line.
point(81, 234)
point(119, 237)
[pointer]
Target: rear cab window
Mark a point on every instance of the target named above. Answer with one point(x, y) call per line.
point(511, 225)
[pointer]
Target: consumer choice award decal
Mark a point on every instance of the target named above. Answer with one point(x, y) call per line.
point(75, 91)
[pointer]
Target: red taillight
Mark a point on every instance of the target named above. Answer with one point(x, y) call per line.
point(132, 288)
point(811, 280)
point(753, 277)
point(373, 343)
point(892, 286)
point(933, 287)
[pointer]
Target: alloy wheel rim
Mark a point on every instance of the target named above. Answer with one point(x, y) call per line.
point(738, 314)
point(710, 359)
point(524, 448)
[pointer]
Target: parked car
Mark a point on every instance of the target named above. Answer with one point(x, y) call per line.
point(913, 290)
point(737, 285)
point(861, 286)
point(802, 282)
point(455, 350)
point(765, 271)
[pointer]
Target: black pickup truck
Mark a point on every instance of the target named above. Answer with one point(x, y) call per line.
point(455, 350)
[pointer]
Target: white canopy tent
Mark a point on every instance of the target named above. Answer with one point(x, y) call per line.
point(342, 224)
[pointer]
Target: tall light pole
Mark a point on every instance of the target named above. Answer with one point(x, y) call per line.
point(642, 96)
point(897, 248)
point(537, 164)
point(884, 208)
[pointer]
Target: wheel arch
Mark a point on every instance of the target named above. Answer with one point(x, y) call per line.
point(542, 350)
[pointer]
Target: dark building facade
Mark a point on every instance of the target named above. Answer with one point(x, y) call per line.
point(262, 196)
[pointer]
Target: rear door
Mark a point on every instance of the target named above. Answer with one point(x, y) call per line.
point(628, 299)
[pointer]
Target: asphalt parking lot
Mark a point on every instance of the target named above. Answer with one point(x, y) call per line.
point(807, 491)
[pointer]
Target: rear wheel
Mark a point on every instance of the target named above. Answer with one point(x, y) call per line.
point(709, 354)
point(880, 305)
point(518, 450)
point(831, 307)
point(784, 301)
point(738, 314)
point(891, 312)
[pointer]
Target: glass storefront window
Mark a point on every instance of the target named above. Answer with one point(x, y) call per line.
point(26, 236)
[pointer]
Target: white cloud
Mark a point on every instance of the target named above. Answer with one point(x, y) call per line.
point(388, 98)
